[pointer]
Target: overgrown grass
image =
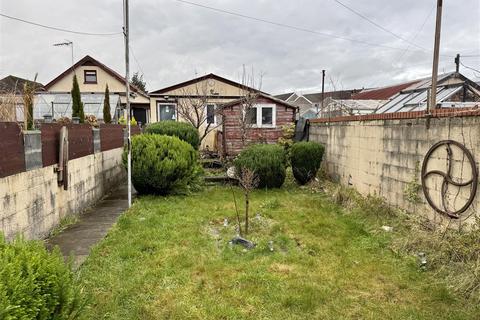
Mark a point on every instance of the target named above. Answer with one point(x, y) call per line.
point(169, 258)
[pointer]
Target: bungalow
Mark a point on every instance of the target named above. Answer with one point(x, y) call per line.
point(11, 97)
point(264, 124)
point(93, 76)
point(197, 101)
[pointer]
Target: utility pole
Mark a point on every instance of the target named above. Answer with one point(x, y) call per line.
point(436, 53)
point(127, 87)
point(457, 63)
point(323, 89)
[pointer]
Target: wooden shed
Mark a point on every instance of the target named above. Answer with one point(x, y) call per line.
point(267, 118)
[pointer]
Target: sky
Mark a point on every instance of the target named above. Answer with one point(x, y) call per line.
point(173, 41)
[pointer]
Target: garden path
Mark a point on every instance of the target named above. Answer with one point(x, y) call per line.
point(92, 227)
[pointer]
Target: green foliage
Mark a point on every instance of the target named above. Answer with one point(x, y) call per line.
point(162, 164)
point(411, 192)
point(133, 121)
point(184, 131)
point(107, 117)
point(137, 81)
point(77, 104)
point(267, 161)
point(286, 140)
point(305, 158)
point(36, 284)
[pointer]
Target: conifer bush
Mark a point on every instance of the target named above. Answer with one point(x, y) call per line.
point(182, 130)
point(162, 164)
point(267, 161)
point(36, 284)
point(305, 158)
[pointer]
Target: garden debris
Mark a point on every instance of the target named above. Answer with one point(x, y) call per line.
point(243, 242)
point(270, 245)
point(422, 259)
point(387, 228)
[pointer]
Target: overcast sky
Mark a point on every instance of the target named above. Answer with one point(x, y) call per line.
point(174, 41)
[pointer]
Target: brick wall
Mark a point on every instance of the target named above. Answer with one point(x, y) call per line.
point(379, 156)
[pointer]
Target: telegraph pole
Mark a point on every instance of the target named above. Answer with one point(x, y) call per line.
point(436, 53)
point(127, 86)
point(323, 89)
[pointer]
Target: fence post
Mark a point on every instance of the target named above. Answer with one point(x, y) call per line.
point(32, 142)
point(96, 140)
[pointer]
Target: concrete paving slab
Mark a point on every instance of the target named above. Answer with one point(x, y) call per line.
point(78, 239)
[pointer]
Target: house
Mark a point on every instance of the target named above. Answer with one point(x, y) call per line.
point(310, 104)
point(197, 100)
point(93, 76)
point(265, 124)
point(454, 90)
point(11, 97)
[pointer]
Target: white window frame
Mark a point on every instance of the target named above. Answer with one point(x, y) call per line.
point(166, 104)
point(214, 113)
point(259, 108)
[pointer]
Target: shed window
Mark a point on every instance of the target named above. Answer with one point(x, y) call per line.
point(90, 76)
point(267, 116)
point(263, 115)
point(251, 116)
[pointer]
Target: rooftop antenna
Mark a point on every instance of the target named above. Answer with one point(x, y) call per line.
point(66, 43)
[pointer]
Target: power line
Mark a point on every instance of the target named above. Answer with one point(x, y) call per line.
point(283, 25)
point(60, 29)
point(469, 67)
point(378, 25)
point(418, 32)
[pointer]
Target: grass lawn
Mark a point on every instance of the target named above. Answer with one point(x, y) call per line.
point(169, 258)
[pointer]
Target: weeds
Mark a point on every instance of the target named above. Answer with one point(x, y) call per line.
point(453, 255)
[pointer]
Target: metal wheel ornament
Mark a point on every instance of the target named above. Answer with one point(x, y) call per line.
point(448, 179)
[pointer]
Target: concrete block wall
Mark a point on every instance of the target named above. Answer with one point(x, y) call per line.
point(32, 203)
point(379, 157)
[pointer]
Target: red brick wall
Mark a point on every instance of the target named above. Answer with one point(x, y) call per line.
point(12, 156)
point(232, 135)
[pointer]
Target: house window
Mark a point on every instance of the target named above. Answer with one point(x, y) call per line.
point(263, 116)
point(166, 111)
point(90, 76)
point(211, 117)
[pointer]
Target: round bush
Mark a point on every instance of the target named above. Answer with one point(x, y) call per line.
point(36, 284)
point(161, 163)
point(182, 130)
point(305, 158)
point(267, 161)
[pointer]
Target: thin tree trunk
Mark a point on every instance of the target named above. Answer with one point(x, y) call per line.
point(238, 214)
point(246, 212)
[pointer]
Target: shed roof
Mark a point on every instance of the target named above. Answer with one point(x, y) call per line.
point(263, 95)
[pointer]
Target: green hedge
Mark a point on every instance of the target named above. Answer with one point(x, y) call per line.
point(182, 130)
point(162, 164)
point(305, 158)
point(267, 161)
point(36, 284)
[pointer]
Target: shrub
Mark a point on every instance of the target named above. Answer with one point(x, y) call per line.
point(182, 130)
point(267, 161)
point(36, 284)
point(305, 158)
point(161, 164)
